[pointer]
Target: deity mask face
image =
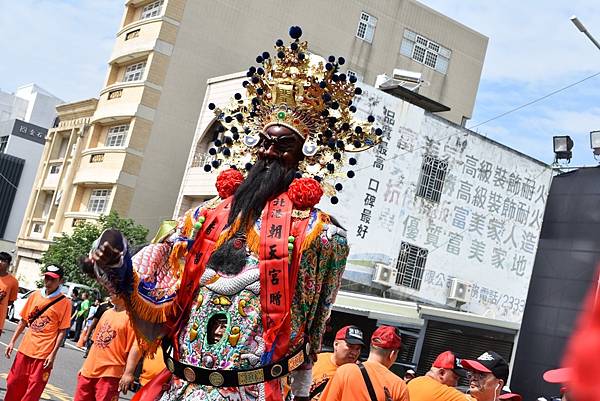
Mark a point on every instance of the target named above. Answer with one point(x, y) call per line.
point(279, 142)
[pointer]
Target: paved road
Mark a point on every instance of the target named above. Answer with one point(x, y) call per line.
point(63, 379)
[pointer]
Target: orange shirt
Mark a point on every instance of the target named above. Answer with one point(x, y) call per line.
point(322, 370)
point(152, 367)
point(348, 384)
point(113, 338)
point(425, 388)
point(40, 338)
point(9, 287)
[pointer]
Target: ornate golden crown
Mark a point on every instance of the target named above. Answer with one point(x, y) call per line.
point(305, 93)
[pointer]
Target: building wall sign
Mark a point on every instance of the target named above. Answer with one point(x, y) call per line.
point(29, 131)
point(482, 229)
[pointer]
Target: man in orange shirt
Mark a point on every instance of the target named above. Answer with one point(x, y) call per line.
point(9, 287)
point(113, 357)
point(47, 313)
point(438, 384)
point(346, 349)
point(350, 381)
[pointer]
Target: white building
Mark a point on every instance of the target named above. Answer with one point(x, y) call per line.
point(442, 222)
point(25, 117)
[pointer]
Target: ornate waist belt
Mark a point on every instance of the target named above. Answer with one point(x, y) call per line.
point(234, 378)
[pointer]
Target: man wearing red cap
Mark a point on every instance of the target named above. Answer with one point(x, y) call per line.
point(438, 384)
point(487, 375)
point(346, 349)
point(371, 381)
point(47, 313)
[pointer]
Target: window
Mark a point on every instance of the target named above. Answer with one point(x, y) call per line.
point(152, 10)
point(117, 93)
point(424, 51)
point(366, 27)
point(132, 34)
point(3, 143)
point(98, 200)
point(431, 181)
point(134, 72)
point(411, 263)
point(55, 169)
point(116, 135)
point(37, 228)
point(97, 158)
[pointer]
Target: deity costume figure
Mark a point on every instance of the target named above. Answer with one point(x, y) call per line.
point(238, 290)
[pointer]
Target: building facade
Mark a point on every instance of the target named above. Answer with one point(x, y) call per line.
point(57, 200)
point(29, 103)
point(443, 224)
point(165, 51)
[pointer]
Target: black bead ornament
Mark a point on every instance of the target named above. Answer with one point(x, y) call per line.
point(352, 161)
point(378, 131)
point(323, 84)
point(330, 167)
point(342, 77)
point(340, 144)
point(357, 91)
point(260, 71)
point(207, 167)
point(331, 59)
point(352, 109)
point(317, 178)
point(356, 144)
point(371, 119)
point(248, 166)
point(301, 56)
point(266, 55)
point(215, 163)
point(294, 46)
point(325, 113)
point(220, 128)
point(211, 106)
point(212, 151)
point(335, 105)
point(226, 152)
point(259, 59)
point(353, 79)
point(245, 83)
point(295, 32)
point(326, 97)
point(279, 43)
point(335, 78)
point(334, 200)
point(236, 136)
point(345, 126)
point(337, 155)
point(358, 129)
point(329, 66)
point(238, 117)
point(252, 69)
point(298, 174)
point(255, 80)
point(339, 187)
point(259, 92)
point(228, 119)
point(341, 61)
point(350, 174)
point(233, 129)
point(280, 54)
point(218, 142)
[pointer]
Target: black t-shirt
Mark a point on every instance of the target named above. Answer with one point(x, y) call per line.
point(103, 307)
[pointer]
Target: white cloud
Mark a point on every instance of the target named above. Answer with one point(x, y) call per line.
point(62, 45)
point(531, 40)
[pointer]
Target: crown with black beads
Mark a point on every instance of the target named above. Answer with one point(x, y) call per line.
point(305, 93)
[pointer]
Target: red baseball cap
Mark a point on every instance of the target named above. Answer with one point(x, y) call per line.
point(562, 375)
point(386, 337)
point(448, 360)
point(510, 396)
point(54, 271)
point(350, 334)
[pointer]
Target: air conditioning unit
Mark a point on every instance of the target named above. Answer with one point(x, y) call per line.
point(384, 274)
point(460, 291)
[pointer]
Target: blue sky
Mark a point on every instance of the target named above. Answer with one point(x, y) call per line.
point(534, 49)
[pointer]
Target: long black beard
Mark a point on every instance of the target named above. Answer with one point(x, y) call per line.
point(266, 180)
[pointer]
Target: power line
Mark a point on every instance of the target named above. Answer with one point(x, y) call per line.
point(535, 101)
point(7, 180)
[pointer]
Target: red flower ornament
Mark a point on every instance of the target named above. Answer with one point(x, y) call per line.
point(228, 181)
point(305, 193)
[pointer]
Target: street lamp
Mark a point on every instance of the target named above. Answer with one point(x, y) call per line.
point(562, 147)
point(582, 28)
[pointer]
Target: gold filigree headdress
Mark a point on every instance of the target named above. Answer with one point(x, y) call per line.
point(305, 93)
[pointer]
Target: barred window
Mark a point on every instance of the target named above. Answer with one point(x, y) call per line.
point(431, 181)
point(424, 51)
point(410, 266)
point(134, 72)
point(3, 143)
point(366, 27)
point(116, 135)
point(152, 10)
point(98, 200)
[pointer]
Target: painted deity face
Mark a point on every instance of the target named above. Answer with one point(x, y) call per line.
point(281, 143)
